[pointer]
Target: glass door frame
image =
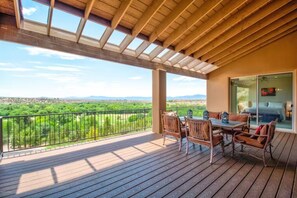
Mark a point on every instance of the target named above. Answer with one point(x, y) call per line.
point(257, 97)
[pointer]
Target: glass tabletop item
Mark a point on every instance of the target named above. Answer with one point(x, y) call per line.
point(205, 115)
point(190, 113)
point(225, 117)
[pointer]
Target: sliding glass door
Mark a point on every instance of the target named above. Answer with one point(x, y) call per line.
point(265, 98)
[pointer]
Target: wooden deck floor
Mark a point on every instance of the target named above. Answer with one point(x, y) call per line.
point(139, 165)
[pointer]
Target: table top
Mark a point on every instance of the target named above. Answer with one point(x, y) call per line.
point(218, 123)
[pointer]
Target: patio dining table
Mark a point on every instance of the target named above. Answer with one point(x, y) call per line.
point(217, 123)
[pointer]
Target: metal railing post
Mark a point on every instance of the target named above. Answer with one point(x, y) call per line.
point(1, 138)
point(95, 130)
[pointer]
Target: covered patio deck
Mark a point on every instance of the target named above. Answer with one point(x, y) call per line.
point(138, 165)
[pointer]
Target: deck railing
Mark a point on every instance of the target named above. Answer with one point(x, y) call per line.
point(32, 131)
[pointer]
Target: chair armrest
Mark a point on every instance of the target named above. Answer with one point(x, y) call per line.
point(238, 133)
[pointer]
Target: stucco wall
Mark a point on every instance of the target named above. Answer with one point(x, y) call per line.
point(279, 56)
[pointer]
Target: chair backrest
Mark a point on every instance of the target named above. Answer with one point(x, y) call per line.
point(171, 123)
point(271, 130)
point(216, 115)
point(200, 129)
point(241, 118)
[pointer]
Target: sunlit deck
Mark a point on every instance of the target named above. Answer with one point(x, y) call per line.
point(139, 165)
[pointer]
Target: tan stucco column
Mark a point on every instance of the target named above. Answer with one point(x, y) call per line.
point(159, 98)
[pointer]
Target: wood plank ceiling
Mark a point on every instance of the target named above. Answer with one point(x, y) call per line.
point(201, 35)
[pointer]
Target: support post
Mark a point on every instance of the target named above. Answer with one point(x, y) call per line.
point(159, 98)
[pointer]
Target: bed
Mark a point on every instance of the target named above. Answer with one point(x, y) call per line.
point(268, 111)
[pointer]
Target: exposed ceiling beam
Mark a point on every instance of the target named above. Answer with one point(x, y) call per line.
point(50, 16)
point(17, 12)
point(191, 21)
point(147, 15)
point(180, 8)
point(104, 38)
point(204, 27)
point(253, 37)
point(9, 32)
point(83, 20)
point(260, 19)
point(105, 22)
point(230, 22)
point(127, 40)
point(260, 40)
point(155, 52)
point(252, 47)
point(141, 48)
point(194, 63)
point(167, 56)
point(177, 58)
point(120, 13)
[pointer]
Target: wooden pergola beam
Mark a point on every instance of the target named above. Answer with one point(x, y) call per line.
point(204, 27)
point(180, 8)
point(155, 52)
point(259, 41)
point(141, 48)
point(50, 16)
point(191, 21)
point(147, 15)
point(260, 19)
point(177, 58)
point(120, 13)
point(254, 36)
point(9, 32)
point(83, 20)
point(105, 22)
point(230, 22)
point(104, 38)
point(167, 56)
point(127, 40)
point(254, 47)
point(17, 12)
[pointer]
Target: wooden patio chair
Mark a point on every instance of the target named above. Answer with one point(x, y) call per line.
point(260, 141)
point(239, 118)
point(172, 126)
point(200, 132)
point(216, 115)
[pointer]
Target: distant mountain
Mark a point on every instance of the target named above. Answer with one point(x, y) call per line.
point(189, 97)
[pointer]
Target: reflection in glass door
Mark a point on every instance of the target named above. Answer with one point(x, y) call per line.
point(244, 97)
point(275, 99)
point(265, 98)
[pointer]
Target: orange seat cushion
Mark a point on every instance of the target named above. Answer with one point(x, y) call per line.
point(246, 139)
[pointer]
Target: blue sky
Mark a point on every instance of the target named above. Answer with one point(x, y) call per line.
point(27, 71)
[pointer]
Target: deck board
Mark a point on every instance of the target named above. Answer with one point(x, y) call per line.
point(285, 188)
point(139, 165)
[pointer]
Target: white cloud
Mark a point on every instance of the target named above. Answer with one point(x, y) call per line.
point(61, 78)
point(29, 11)
point(5, 64)
point(184, 78)
point(34, 62)
point(33, 51)
point(135, 78)
point(56, 68)
point(13, 69)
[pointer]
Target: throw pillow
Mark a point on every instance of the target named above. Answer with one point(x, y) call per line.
point(263, 131)
point(259, 129)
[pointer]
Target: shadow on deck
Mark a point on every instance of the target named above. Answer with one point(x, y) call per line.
point(139, 165)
